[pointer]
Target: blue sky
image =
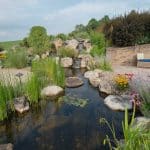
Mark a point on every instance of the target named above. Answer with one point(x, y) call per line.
point(18, 16)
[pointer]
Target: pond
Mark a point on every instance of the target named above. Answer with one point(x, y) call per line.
point(62, 126)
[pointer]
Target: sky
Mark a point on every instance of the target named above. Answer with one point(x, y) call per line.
point(58, 16)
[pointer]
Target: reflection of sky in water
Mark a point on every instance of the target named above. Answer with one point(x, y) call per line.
point(63, 127)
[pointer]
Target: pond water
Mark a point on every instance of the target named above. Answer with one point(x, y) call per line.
point(61, 126)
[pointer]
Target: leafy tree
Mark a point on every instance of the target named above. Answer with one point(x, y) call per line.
point(92, 24)
point(80, 28)
point(62, 36)
point(24, 43)
point(38, 39)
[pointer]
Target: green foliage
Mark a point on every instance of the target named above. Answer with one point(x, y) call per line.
point(144, 92)
point(8, 91)
point(9, 44)
point(66, 52)
point(32, 89)
point(1, 48)
point(38, 39)
point(103, 64)
point(62, 36)
point(49, 72)
point(24, 43)
point(98, 41)
point(129, 29)
point(134, 137)
point(16, 58)
point(92, 25)
point(96, 51)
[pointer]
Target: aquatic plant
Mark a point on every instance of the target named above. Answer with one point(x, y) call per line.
point(134, 137)
point(74, 100)
point(32, 89)
point(49, 72)
point(16, 58)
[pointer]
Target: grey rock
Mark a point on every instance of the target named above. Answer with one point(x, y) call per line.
point(52, 91)
point(21, 105)
point(118, 102)
point(73, 82)
point(8, 146)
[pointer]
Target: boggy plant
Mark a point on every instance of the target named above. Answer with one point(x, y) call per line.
point(32, 89)
point(134, 138)
point(49, 72)
point(7, 93)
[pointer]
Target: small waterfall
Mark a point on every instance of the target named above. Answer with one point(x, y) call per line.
point(76, 63)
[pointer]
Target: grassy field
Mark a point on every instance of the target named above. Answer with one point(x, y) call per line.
point(9, 44)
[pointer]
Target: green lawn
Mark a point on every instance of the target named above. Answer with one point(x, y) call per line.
point(9, 44)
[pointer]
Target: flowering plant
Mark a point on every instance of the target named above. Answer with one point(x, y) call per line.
point(121, 81)
point(135, 99)
point(2, 56)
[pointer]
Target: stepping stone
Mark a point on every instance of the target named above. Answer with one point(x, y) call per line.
point(73, 82)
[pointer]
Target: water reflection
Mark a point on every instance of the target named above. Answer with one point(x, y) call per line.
point(58, 126)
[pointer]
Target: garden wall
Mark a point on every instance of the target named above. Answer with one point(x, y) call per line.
point(127, 55)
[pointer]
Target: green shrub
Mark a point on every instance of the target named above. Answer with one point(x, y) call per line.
point(96, 51)
point(32, 89)
point(17, 58)
point(1, 48)
point(39, 40)
point(49, 72)
point(66, 52)
point(103, 64)
point(98, 42)
point(24, 43)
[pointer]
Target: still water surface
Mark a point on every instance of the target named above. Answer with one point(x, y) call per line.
point(55, 126)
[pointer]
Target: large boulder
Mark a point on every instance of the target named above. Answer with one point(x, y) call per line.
point(118, 102)
point(105, 87)
point(88, 45)
point(72, 44)
point(58, 43)
point(8, 146)
point(21, 105)
point(52, 91)
point(73, 82)
point(86, 60)
point(66, 62)
point(141, 122)
point(95, 81)
point(90, 74)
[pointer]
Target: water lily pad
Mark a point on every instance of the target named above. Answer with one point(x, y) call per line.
point(74, 100)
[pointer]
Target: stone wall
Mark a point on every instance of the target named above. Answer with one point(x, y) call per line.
point(127, 55)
